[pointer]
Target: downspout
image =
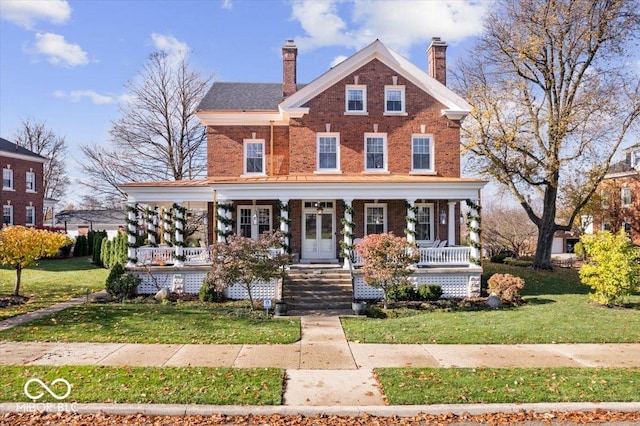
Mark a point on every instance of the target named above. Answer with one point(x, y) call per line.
point(214, 219)
point(271, 149)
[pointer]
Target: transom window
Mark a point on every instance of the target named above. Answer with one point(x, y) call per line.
point(7, 215)
point(254, 156)
point(626, 197)
point(375, 151)
point(375, 218)
point(356, 99)
point(31, 182)
point(328, 151)
point(7, 179)
point(422, 153)
point(394, 99)
point(424, 222)
point(31, 216)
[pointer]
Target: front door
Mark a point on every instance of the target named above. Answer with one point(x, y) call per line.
point(318, 235)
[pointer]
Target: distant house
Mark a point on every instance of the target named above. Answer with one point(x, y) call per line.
point(620, 196)
point(22, 194)
point(80, 222)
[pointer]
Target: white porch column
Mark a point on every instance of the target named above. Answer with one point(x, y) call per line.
point(132, 222)
point(151, 227)
point(451, 231)
point(178, 214)
point(166, 225)
point(223, 215)
point(154, 224)
point(474, 233)
point(411, 220)
point(284, 223)
point(348, 232)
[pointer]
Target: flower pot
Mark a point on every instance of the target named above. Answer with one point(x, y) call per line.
point(359, 308)
point(281, 309)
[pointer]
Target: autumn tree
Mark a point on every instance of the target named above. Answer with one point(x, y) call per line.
point(386, 261)
point(158, 136)
point(554, 93)
point(507, 228)
point(35, 136)
point(21, 247)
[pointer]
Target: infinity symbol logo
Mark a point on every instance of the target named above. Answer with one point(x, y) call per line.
point(47, 388)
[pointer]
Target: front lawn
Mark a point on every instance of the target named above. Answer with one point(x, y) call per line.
point(418, 386)
point(557, 310)
point(50, 282)
point(182, 322)
point(146, 385)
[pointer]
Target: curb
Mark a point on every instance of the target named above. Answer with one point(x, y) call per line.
point(310, 411)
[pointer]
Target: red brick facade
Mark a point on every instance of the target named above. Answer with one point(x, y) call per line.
point(18, 196)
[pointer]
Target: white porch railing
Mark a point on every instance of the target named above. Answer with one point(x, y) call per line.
point(166, 255)
point(445, 256)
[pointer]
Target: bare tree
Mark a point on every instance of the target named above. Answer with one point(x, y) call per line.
point(36, 137)
point(158, 136)
point(553, 93)
point(507, 228)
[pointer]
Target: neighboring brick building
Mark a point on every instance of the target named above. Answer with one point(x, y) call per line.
point(22, 194)
point(371, 145)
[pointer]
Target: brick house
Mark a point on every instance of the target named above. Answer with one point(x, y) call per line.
point(372, 145)
point(22, 194)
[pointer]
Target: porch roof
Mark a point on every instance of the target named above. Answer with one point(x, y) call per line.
point(307, 187)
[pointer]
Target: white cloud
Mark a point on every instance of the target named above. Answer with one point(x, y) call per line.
point(78, 95)
point(337, 60)
point(26, 12)
point(58, 50)
point(226, 4)
point(176, 50)
point(400, 23)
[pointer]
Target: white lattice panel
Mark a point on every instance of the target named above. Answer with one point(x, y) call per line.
point(362, 291)
point(258, 291)
point(192, 281)
point(455, 285)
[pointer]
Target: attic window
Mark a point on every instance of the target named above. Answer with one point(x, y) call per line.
point(356, 99)
point(394, 100)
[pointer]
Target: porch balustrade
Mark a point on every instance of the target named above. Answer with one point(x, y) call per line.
point(444, 256)
point(166, 255)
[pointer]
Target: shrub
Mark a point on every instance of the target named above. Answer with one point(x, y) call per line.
point(501, 256)
point(121, 285)
point(612, 271)
point(578, 250)
point(209, 292)
point(403, 293)
point(430, 292)
point(506, 286)
point(524, 263)
point(80, 249)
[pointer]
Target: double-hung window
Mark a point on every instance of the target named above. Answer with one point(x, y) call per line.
point(375, 218)
point(31, 182)
point(626, 197)
point(328, 149)
point(7, 179)
point(7, 215)
point(424, 222)
point(394, 100)
point(31, 216)
point(375, 152)
point(422, 153)
point(254, 221)
point(254, 159)
point(356, 99)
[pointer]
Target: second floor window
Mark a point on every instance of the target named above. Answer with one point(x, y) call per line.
point(7, 215)
point(254, 157)
point(31, 182)
point(394, 99)
point(375, 152)
point(328, 152)
point(626, 197)
point(356, 99)
point(7, 179)
point(422, 153)
point(31, 216)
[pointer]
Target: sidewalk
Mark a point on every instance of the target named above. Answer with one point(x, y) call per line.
point(323, 368)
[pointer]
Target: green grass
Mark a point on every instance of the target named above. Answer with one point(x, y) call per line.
point(174, 385)
point(417, 386)
point(186, 322)
point(557, 310)
point(51, 282)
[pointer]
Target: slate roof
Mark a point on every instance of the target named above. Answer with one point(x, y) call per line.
point(11, 147)
point(243, 96)
point(83, 217)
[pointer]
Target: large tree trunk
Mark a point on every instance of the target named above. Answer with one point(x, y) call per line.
point(546, 230)
point(16, 289)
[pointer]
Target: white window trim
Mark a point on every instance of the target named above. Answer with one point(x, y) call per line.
point(431, 170)
point(362, 87)
point(403, 111)
point(328, 135)
point(33, 209)
point(10, 214)
point(27, 182)
point(254, 227)
point(384, 216)
point(622, 196)
point(385, 152)
point(246, 142)
point(635, 158)
point(12, 187)
point(432, 225)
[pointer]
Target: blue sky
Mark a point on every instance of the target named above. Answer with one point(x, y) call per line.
point(66, 62)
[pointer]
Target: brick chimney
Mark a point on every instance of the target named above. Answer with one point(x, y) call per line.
point(289, 55)
point(437, 58)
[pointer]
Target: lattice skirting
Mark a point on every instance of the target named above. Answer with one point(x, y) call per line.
point(454, 285)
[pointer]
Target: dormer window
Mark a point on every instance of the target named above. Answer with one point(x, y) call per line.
point(356, 99)
point(254, 157)
point(394, 100)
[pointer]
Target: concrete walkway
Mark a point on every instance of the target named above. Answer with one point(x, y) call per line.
point(322, 369)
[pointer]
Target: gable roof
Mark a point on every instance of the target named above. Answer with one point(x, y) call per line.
point(81, 217)
point(243, 96)
point(13, 150)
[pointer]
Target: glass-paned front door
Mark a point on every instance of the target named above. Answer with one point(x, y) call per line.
point(318, 233)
